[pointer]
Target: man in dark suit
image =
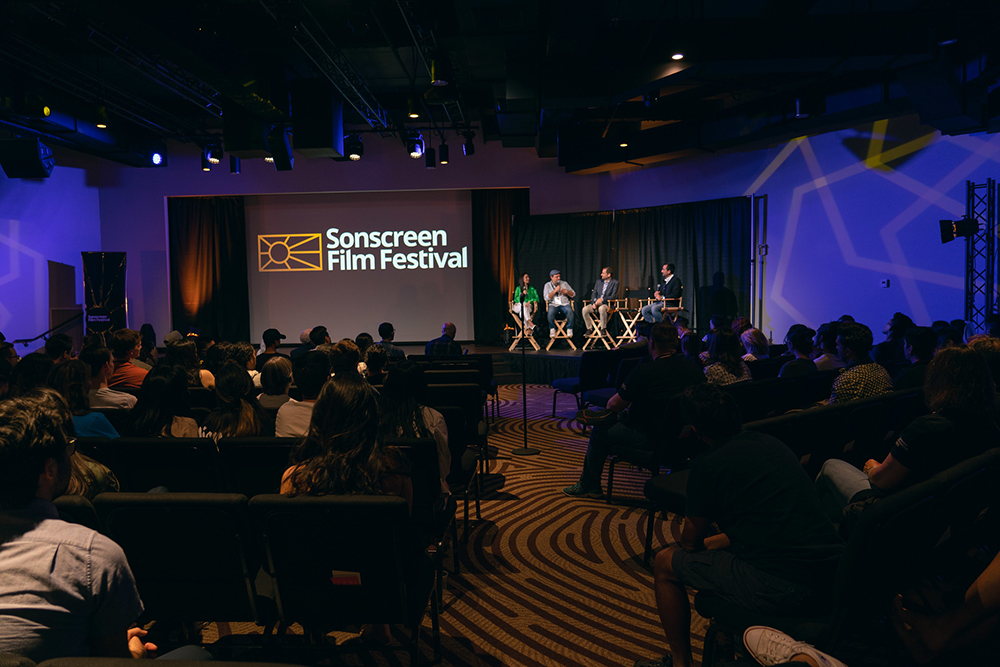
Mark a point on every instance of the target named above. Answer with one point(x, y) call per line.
point(668, 295)
point(605, 289)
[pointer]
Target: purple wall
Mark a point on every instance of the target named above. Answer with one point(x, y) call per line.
point(846, 210)
point(53, 219)
point(133, 201)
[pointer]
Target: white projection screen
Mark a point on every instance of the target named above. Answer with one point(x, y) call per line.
point(352, 261)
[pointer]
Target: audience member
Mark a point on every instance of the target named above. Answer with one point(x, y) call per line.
point(445, 344)
point(71, 379)
point(172, 337)
point(184, 355)
point(239, 415)
point(691, 348)
point(993, 326)
point(918, 348)
point(101, 366)
point(310, 371)
point(30, 373)
point(683, 325)
point(959, 393)
point(827, 358)
point(388, 334)
point(863, 378)
point(59, 348)
point(364, 340)
point(404, 415)
point(147, 352)
point(276, 379)
point(305, 345)
point(219, 354)
point(776, 554)
point(270, 339)
point(93, 339)
point(845, 318)
point(244, 355)
point(164, 405)
point(8, 354)
point(937, 325)
point(989, 348)
point(741, 324)
point(754, 344)
point(723, 363)
point(67, 590)
point(5, 372)
point(125, 345)
point(949, 338)
point(646, 392)
point(890, 351)
point(800, 342)
point(376, 360)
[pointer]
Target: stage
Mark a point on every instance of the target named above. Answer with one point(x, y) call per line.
point(542, 367)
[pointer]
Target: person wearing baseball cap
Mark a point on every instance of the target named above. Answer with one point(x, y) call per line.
point(558, 295)
point(271, 339)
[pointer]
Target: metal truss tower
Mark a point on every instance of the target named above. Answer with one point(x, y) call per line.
point(981, 253)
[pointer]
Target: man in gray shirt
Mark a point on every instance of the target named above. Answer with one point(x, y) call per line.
point(558, 295)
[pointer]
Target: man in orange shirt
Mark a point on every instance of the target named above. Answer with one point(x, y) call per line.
point(125, 345)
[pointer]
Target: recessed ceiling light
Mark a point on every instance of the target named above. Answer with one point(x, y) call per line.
point(677, 56)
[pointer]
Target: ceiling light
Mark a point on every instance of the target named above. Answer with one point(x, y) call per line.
point(469, 148)
point(414, 143)
point(102, 118)
point(156, 158)
point(411, 108)
point(269, 159)
point(677, 56)
point(623, 144)
point(234, 164)
point(439, 75)
point(429, 159)
point(213, 153)
point(443, 152)
point(353, 147)
point(205, 164)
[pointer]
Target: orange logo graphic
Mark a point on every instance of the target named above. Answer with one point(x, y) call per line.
point(290, 252)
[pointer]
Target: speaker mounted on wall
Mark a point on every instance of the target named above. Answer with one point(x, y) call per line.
point(26, 158)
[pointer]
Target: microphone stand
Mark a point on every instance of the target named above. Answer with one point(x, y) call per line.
point(524, 450)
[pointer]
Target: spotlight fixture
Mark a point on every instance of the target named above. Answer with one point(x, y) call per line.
point(430, 161)
point(234, 164)
point(469, 148)
point(269, 159)
point(411, 107)
point(353, 147)
point(443, 153)
point(102, 118)
point(950, 230)
point(156, 158)
point(439, 72)
point(677, 56)
point(213, 153)
point(205, 164)
point(623, 144)
point(414, 143)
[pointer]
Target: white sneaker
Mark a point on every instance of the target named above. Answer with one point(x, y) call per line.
point(771, 647)
point(552, 333)
point(569, 332)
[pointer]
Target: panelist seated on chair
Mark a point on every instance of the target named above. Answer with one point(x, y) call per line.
point(777, 552)
point(528, 309)
point(668, 293)
point(605, 290)
point(647, 392)
point(558, 295)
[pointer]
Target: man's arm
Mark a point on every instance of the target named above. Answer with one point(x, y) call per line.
point(612, 290)
point(693, 533)
point(618, 404)
point(886, 475)
point(112, 645)
point(567, 290)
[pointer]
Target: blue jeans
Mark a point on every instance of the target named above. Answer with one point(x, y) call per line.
point(838, 481)
point(652, 312)
point(565, 310)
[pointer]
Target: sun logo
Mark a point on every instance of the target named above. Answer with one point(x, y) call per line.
point(290, 252)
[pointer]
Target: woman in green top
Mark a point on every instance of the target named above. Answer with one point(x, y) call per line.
point(531, 301)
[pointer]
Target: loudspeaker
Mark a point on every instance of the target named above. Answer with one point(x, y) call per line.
point(317, 119)
point(281, 149)
point(26, 158)
point(243, 133)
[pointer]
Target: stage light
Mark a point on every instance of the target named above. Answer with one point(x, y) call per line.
point(623, 144)
point(34, 105)
point(469, 148)
point(353, 147)
point(234, 164)
point(950, 230)
point(430, 160)
point(439, 72)
point(443, 154)
point(156, 158)
point(414, 143)
point(213, 153)
point(411, 107)
point(677, 56)
point(102, 118)
point(269, 159)
point(205, 164)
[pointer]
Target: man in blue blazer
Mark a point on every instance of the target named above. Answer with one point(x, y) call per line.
point(605, 289)
point(668, 294)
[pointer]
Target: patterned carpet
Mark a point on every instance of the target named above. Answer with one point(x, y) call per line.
point(546, 579)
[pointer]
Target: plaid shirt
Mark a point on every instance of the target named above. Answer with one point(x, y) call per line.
point(865, 379)
point(442, 345)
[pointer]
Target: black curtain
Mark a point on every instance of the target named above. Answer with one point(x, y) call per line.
point(208, 266)
point(577, 244)
point(493, 270)
point(708, 242)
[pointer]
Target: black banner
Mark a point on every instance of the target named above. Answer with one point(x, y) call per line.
point(104, 289)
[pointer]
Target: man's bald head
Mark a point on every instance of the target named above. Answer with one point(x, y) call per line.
point(449, 330)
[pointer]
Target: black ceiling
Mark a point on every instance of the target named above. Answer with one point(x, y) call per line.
point(573, 79)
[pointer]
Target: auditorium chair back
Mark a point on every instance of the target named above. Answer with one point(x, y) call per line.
point(252, 466)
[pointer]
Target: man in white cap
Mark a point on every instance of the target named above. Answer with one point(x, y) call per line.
point(557, 294)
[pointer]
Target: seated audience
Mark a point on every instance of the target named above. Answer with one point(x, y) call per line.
point(646, 393)
point(344, 356)
point(243, 354)
point(949, 338)
point(741, 324)
point(305, 345)
point(101, 366)
point(71, 379)
point(863, 378)
point(147, 352)
point(125, 345)
point(845, 318)
point(754, 344)
point(30, 373)
point(376, 360)
point(918, 348)
point(270, 339)
point(164, 405)
point(445, 344)
point(59, 348)
point(723, 364)
point(890, 351)
point(683, 325)
point(691, 348)
point(239, 415)
point(404, 415)
point(363, 340)
point(184, 354)
point(309, 371)
point(959, 393)
point(8, 355)
point(67, 590)
point(276, 379)
point(800, 343)
point(989, 348)
point(776, 554)
point(827, 357)
point(388, 334)
point(94, 339)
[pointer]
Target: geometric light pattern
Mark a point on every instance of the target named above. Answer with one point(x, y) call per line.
point(290, 252)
